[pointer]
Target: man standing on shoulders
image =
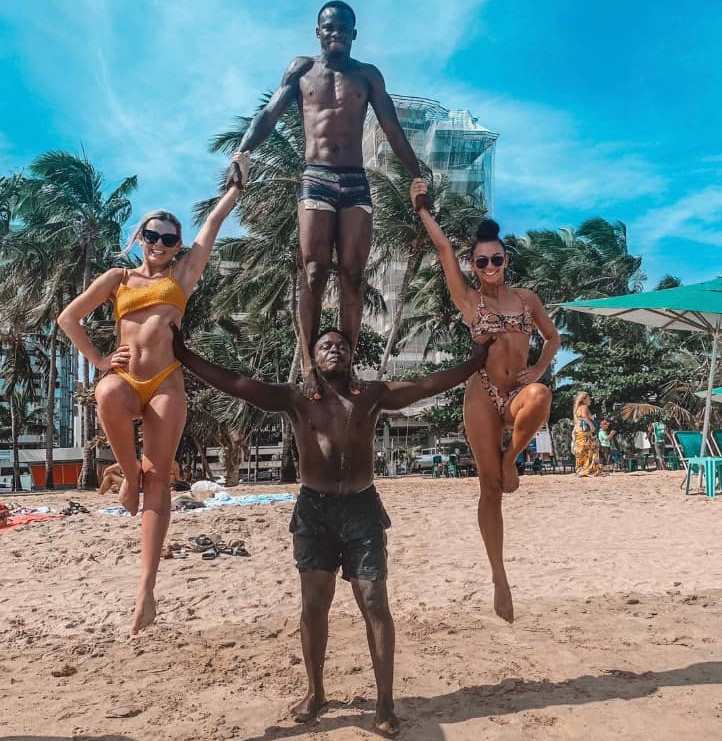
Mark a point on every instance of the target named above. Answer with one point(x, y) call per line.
point(333, 92)
point(338, 520)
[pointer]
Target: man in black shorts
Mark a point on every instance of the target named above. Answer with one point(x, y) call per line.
point(338, 520)
point(333, 92)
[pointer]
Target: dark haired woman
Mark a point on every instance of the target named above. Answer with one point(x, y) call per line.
point(507, 393)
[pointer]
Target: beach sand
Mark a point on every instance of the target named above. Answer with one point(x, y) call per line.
point(618, 597)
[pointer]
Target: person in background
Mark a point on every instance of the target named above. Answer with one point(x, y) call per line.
point(606, 436)
point(657, 434)
point(586, 443)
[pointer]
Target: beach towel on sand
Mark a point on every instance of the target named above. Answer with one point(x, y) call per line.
point(18, 520)
point(222, 499)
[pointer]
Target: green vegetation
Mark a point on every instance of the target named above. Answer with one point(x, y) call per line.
point(60, 226)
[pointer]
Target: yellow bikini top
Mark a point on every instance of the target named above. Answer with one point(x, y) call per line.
point(163, 290)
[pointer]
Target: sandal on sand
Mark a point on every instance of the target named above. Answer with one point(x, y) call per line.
point(74, 508)
point(201, 543)
point(175, 550)
point(235, 548)
point(210, 554)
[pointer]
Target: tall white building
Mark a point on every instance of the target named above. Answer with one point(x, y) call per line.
point(452, 144)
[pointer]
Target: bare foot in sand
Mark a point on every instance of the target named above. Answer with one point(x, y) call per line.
point(309, 708)
point(144, 614)
point(130, 493)
point(386, 722)
point(503, 605)
point(509, 474)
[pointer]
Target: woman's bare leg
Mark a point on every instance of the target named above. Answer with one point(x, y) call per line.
point(118, 406)
point(527, 411)
point(163, 422)
point(483, 430)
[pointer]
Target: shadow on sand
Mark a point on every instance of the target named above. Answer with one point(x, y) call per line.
point(66, 738)
point(426, 714)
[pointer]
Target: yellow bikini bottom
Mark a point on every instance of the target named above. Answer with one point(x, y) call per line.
point(146, 389)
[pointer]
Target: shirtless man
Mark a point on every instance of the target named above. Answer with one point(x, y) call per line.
point(333, 92)
point(338, 519)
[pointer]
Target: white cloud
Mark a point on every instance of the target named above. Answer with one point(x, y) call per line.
point(154, 85)
point(545, 158)
point(696, 217)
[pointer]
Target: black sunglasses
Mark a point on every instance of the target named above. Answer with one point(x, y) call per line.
point(151, 237)
point(496, 260)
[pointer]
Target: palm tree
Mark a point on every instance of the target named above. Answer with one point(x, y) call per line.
point(261, 269)
point(592, 261)
point(64, 206)
point(16, 373)
point(228, 420)
point(399, 235)
point(34, 275)
point(10, 188)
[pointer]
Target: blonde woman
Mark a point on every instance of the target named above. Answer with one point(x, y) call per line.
point(143, 379)
point(586, 443)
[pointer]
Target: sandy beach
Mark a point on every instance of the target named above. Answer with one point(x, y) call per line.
point(618, 596)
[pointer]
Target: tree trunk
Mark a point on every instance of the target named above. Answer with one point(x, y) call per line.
point(289, 474)
point(206, 472)
point(232, 454)
point(14, 435)
point(88, 475)
point(288, 465)
point(50, 411)
point(412, 266)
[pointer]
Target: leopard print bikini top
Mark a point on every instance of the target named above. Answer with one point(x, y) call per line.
point(487, 322)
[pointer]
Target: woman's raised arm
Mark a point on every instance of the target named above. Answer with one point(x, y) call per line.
point(462, 294)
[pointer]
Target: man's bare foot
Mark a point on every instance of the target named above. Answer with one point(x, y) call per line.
point(312, 385)
point(386, 722)
point(144, 614)
point(130, 492)
point(509, 474)
point(309, 708)
point(503, 605)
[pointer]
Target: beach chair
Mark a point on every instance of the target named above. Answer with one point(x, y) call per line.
point(688, 444)
point(716, 441)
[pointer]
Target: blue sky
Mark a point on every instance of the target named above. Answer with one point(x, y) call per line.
point(609, 109)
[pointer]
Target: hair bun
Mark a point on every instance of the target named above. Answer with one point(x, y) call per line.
point(487, 231)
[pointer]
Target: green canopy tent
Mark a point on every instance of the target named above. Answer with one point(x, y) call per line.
point(695, 308)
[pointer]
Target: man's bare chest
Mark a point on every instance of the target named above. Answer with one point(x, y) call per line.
point(324, 88)
point(337, 419)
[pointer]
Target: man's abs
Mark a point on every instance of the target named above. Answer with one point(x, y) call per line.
point(333, 137)
point(334, 109)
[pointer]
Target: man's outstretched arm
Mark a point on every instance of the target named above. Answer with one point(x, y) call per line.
point(386, 114)
point(399, 394)
point(271, 397)
point(265, 120)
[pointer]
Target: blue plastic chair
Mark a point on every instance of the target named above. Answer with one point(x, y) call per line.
point(689, 446)
point(717, 440)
